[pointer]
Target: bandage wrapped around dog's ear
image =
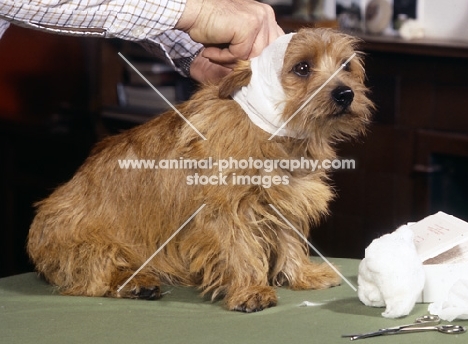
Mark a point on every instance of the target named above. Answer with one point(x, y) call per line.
point(391, 274)
point(263, 99)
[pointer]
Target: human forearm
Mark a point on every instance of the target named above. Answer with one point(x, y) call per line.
point(130, 20)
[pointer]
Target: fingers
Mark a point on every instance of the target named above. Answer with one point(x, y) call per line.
point(202, 70)
point(228, 56)
point(246, 26)
point(269, 32)
point(245, 49)
point(220, 56)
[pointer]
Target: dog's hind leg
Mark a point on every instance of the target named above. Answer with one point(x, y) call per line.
point(144, 285)
point(92, 267)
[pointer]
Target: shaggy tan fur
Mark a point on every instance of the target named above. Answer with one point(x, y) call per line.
point(93, 232)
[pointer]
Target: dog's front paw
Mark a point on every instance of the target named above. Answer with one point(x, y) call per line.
point(251, 299)
point(316, 276)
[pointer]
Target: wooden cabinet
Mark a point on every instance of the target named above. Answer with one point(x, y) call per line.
point(413, 161)
point(126, 98)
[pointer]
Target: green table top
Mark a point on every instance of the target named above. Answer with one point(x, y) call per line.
point(32, 312)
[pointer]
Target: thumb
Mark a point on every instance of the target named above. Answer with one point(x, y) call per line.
point(222, 56)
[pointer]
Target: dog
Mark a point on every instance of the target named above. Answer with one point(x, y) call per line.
point(93, 233)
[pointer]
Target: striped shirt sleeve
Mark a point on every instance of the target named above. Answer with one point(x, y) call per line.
point(150, 22)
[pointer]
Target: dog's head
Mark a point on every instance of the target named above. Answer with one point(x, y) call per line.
point(322, 85)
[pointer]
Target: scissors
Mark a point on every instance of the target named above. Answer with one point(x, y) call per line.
point(424, 323)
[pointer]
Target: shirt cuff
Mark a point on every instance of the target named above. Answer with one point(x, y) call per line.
point(3, 26)
point(176, 47)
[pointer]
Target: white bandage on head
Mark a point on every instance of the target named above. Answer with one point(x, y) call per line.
point(263, 99)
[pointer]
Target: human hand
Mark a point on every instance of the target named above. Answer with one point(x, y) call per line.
point(203, 70)
point(246, 26)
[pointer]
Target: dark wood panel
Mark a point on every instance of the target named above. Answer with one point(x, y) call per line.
point(451, 107)
point(417, 101)
point(42, 73)
point(48, 97)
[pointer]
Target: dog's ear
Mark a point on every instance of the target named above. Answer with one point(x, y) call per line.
point(240, 76)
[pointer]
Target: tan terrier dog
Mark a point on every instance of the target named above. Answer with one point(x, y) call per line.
point(95, 231)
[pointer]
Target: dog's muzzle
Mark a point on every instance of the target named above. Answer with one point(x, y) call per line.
point(343, 96)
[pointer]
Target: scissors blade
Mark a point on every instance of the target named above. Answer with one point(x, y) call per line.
point(426, 322)
point(446, 329)
point(369, 334)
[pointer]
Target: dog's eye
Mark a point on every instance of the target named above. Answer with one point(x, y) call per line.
point(346, 66)
point(302, 69)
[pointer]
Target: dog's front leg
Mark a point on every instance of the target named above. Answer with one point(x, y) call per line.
point(229, 261)
point(245, 279)
point(247, 267)
point(252, 298)
point(247, 287)
point(302, 273)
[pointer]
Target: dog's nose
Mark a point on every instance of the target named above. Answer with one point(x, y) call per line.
point(343, 95)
